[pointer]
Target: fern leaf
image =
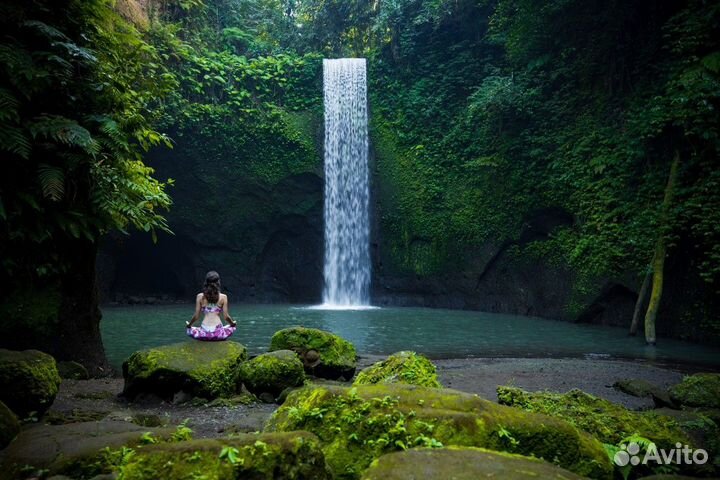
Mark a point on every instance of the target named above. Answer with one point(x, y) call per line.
point(52, 181)
point(45, 30)
point(78, 52)
point(64, 130)
point(14, 140)
point(8, 106)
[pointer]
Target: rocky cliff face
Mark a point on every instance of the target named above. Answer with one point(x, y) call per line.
point(257, 221)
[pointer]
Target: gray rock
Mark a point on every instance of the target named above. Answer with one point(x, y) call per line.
point(61, 449)
point(72, 370)
point(9, 425)
point(462, 463)
point(643, 388)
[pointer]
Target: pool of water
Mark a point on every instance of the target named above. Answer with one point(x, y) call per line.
point(434, 332)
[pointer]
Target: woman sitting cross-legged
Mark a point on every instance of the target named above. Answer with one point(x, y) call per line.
point(211, 303)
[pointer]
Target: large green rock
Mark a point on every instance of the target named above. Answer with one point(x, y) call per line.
point(75, 449)
point(607, 421)
point(202, 369)
point(401, 367)
point(323, 354)
point(29, 381)
point(272, 372)
point(699, 390)
point(359, 424)
point(462, 463)
point(292, 455)
point(9, 425)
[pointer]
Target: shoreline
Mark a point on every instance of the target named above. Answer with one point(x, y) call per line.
point(98, 398)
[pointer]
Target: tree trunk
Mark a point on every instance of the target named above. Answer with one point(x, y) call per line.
point(639, 304)
point(658, 262)
point(79, 317)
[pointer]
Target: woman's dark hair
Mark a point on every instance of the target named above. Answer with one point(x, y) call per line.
point(211, 288)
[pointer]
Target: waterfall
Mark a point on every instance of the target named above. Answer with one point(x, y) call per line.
point(347, 226)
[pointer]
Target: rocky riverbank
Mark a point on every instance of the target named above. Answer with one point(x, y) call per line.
point(313, 408)
point(98, 398)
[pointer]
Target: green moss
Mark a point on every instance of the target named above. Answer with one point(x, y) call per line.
point(323, 354)
point(204, 369)
point(359, 424)
point(699, 390)
point(462, 463)
point(401, 367)
point(293, 455)
point(29, 381)
point(608, 422)
point(272, 372)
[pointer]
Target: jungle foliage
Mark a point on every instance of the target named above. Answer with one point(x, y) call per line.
point(77, 84)
point(483, 112)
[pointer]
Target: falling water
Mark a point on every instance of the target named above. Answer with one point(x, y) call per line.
point(347, 230)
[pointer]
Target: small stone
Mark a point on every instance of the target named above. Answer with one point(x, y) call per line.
point(266, 397)
point(641, 388)
point(72, 371)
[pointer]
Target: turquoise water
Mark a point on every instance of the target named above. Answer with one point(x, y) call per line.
point(433, 332)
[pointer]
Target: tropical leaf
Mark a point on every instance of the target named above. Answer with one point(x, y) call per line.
point(52, 181)
point(45, 30)
point(78, 52)
point(64, 130)
point(14, 140)
point(8, 106)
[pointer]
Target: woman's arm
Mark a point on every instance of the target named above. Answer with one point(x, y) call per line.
point(227, 313)
point(196, 315)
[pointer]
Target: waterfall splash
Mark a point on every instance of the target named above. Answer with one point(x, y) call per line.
point(347, 226)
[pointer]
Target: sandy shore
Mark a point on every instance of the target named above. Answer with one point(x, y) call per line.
point(98, 398)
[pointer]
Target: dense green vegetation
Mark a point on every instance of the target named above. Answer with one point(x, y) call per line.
point(483, 113)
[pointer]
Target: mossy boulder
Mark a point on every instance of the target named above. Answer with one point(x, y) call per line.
point(9, 425)
point(323, 354)
point(359, 424)
point(608, 422)
point(29, 381)
point(202, 369)
point(699, 390)
point(701, 425)
point(401, 367)
point(291, 455)
point(74, 449)
point(462, 463)
point(72, 371)
point(272, 373)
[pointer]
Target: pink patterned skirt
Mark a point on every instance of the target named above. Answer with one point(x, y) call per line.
point(221, 332)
